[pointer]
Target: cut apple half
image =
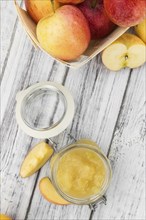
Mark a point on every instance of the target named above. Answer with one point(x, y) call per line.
point(127, 51)
point(35, 159)
point(49, 192)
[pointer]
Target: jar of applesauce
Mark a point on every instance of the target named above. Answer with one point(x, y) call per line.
point(80, 172)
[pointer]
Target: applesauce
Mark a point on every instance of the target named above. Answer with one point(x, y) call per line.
point(80, 172)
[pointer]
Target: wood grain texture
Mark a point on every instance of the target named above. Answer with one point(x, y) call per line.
point(19, 73)
point(126, 195)
point(109, 110)
point(9, 24)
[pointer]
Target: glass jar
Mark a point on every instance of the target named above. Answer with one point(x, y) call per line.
point(80, 172)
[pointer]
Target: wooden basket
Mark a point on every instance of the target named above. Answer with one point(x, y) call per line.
point(93, 49)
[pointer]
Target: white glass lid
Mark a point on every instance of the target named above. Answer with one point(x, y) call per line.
point(44, 110)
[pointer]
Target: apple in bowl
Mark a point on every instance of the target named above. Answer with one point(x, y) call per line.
point(126, 13)
point(38, 9)
point(99, 23)
point(140, 30)
point(64, 35)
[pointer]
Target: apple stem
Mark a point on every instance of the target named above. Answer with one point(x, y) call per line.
point(93, 3)
point(52, 3)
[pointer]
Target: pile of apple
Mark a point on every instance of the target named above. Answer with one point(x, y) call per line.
point(66, 27)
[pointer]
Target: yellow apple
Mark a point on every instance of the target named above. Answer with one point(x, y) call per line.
point(127, 51)
point(38, 9)
point(140, 30)
point(35, 159)
point(64, 35)
point(49, 192)
point(4, 217)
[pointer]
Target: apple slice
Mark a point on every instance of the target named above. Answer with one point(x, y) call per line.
point(4, 217)
point(35, 159)
point(49, 192)
point(127, 51)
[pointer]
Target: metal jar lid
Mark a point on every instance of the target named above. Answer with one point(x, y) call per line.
point(44, 110)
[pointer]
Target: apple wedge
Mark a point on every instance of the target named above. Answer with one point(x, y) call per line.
point(127, 51)
point(49, 192)
point(35, 159)
point(4, 217)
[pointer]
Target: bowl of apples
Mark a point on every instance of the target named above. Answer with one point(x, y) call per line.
point(75, 31)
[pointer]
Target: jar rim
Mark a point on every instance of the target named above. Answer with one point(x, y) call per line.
point(46, 128)
point(92, 198)
point(30, 97)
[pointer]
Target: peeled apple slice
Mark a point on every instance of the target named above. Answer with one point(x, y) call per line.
point(4, 217)
point(35, 159)
point(49, 192)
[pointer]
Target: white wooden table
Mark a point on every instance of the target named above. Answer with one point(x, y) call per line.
point(110, 109)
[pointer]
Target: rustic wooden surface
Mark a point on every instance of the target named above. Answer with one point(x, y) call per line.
point(110, 109)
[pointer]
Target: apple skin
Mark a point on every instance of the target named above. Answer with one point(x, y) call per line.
point(66, 34)
point(126, 13)
point(140, 30)
point(74, 2)
point(38, 9)
point(49, 192)
point(99, 23)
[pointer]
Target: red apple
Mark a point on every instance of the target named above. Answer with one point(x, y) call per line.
point(64, 35)
point(126, 13)
point(38, 9)
point(99, 23)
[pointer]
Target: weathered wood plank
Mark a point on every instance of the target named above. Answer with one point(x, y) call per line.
point(94, 89)
point(126, 196)
point(97, 90)
point(9, 24)
point(15, 146)
point(21, 71)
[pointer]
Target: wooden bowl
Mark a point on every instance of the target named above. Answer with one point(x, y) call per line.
point(94, 48)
